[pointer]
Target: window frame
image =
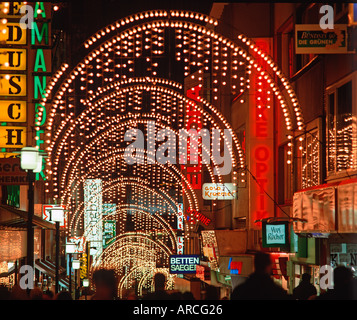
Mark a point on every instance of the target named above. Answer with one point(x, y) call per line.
point(332, 89)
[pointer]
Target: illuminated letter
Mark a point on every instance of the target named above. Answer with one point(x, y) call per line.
point(10, 111)
point(35, 33)
point(40, 61)
point(39, 87)
point(14, 84)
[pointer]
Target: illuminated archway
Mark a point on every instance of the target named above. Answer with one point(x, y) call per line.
point(113, 98)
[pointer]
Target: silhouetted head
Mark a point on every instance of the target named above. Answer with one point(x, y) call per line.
point(262, 263)
point(64, 295)
point(342, 277)
point(105, 283)
point(306, 277)
point(159, 281)
point(211, 293)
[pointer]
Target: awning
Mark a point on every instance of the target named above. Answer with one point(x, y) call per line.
point(21, 222)
point(48, 267)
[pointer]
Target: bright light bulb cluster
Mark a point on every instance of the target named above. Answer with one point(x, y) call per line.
point(85, 135)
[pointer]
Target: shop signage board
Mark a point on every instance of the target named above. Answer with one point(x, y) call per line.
point(203, 273)
point(13, 59)
point(194, 216)
point(210, 248)
point(219, 191)
point(109, 232)
point(180, 245)
point(13, 85)
point(275, 234)
point(180, 216)
point(317, 207)
point(11, 172)
point(12, 137)
point(93, 211)
point(343, 253)
point(184, 264)
point(235, 267)
point(13, 111)
point(310, 38)
point(12, 33)
point(80, 244)
point(260, 137)
point(46, 213)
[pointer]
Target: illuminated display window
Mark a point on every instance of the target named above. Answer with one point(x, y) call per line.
point(308, 157)
point(341, 152)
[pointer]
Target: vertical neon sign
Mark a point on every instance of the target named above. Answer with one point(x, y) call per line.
point(261, 141)
point(41, 67)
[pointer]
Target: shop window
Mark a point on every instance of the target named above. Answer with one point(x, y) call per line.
point(308, 159)
point(285, 192)
point(286, 47)
point(340, 148)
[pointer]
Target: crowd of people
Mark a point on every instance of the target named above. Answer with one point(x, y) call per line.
point(259, 286)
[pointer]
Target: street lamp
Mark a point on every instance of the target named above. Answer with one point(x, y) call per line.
point(31, 161)
point(76, 264)
point(70, 248)
point(57, 215)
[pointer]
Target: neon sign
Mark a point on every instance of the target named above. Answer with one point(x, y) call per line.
point(193, 114)
point(41, 68)
point(262, 139)
point(196, 216)
point(184, 264)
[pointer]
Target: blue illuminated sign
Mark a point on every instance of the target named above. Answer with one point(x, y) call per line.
point(180, 264)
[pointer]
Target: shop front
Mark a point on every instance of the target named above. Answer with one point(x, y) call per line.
point(329, 236)
point(225, 251)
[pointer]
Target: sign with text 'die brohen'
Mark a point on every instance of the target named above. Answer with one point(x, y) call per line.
point(180, 264)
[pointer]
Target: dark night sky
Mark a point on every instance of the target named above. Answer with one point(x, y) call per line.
point(91, 15)
point(82, 18)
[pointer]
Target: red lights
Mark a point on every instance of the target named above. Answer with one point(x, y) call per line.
point(193, 114)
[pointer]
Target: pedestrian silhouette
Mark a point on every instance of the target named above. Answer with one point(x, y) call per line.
point(160, 292)
point(211, 293)
point(305, 289)
point(64, 295)
point(260, 285)
point(4, 293)
point(105, 283)
point(187, 295)
point(343, 285)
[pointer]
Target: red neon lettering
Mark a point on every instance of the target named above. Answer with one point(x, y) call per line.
point(261, 168)
point(261, 153)
point(261, 130)
point(262, 183)
point(194, 93)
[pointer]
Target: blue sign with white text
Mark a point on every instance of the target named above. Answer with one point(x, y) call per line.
point(180, 264)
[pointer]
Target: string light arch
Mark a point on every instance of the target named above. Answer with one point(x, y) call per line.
point(103, 95)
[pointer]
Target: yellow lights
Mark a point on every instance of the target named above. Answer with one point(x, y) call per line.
point(85, 136)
